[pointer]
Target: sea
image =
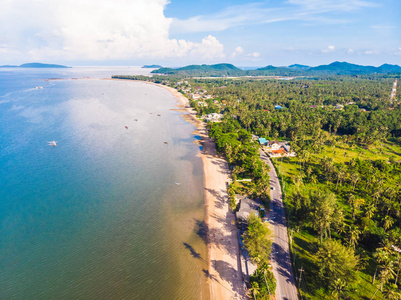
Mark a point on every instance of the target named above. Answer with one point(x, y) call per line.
point(115, 210)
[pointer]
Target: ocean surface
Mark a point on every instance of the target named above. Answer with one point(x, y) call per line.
point(100, 216)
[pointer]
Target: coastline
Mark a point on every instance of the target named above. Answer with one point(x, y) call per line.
point(224, 273)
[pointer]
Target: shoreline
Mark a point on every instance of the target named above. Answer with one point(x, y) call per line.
point(224, 274)
point(224, 264)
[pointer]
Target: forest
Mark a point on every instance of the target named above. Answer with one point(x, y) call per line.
point(341, 192)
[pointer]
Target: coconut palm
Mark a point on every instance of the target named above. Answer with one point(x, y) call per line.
point(338, 287)
point(254, 290)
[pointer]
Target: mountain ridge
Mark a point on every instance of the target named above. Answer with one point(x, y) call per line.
point(334, 68)
point(35, 65)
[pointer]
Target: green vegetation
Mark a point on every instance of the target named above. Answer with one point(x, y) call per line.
point(257, 240)
point(335, 68)
point(342, 192)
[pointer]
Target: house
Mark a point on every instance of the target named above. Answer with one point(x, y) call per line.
point(213, 117)
point(201, 103)
point(262, 141)
point(278, 107)
point(339, 106)
point(195, 96)
point(247, 206)
point(273, 145)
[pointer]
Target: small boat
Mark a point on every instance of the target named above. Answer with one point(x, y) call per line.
point(52, 143)
point(165, 142)
point(126, 127)
point(158, 115)
point(39, 87)
point(177, 183)
point(135, 119)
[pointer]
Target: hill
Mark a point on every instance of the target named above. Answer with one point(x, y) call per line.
point(203, 70)
point(335, 68)
point(35, 65)
point(152, 67)
point(344, 68)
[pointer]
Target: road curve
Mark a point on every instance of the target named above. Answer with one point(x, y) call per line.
point(280, 256)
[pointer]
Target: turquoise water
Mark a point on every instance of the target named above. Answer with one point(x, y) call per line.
point(99, 216)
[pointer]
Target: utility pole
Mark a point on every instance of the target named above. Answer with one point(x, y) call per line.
point(300, 277)
point(267, 286)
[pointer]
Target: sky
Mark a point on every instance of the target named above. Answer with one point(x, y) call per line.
point(177, 32)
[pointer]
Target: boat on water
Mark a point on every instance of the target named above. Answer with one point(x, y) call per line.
point(39, 87)
point(126, 127)
point(158, 115)
point(165, 142)
point(177, 183)
point(52, 143)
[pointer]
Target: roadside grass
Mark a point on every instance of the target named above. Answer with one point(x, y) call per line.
point(342, 152)
point(304, 246)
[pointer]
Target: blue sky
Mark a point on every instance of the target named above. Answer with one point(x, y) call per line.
point(178, 32)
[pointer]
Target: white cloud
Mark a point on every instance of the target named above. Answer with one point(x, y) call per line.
point(351, 50)
point(370, 52)
point(254, 54)
point(94, 30)
point(237, 51)
point(329, 49)
point(398, 52)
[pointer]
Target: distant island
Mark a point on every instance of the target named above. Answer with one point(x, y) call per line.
point(152, 67)
point(335, 68)
point(35, 65)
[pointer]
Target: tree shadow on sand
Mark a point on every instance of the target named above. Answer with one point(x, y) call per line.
point(228, 274)
point(220, 196)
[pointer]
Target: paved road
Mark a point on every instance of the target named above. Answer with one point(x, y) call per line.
point(280, 257)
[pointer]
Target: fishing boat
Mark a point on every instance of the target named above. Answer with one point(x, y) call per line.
point(177, 183)
point(126, 127)
point(165, 142)
point(52, 143)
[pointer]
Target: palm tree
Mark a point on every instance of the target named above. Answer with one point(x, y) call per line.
point(392, 293)
point(354, 179)
point(338, 287)
point(386, 273)
point(354, 235)
point(388, 222)
point(254, 289)
point(380, 256)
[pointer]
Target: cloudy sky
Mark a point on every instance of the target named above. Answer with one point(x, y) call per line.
point(178, 32)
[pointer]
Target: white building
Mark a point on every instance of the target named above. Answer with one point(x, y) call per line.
point(213, 117)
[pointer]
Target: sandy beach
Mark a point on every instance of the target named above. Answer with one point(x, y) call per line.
point(224, 274)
